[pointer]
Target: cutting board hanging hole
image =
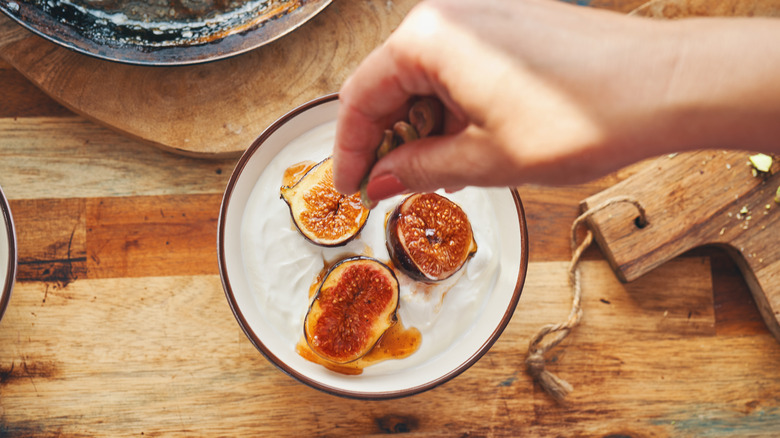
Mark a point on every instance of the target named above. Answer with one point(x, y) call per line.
point(535, 361)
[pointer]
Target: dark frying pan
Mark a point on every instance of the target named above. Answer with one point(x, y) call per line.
point(162, 32)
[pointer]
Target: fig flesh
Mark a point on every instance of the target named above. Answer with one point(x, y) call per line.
point(323, 215)
point(353, 307)
point(429, 237)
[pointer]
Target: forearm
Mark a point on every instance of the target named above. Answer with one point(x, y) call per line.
point(725, 89)
point(664, 86)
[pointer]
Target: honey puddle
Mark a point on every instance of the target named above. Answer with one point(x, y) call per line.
point(398, 342)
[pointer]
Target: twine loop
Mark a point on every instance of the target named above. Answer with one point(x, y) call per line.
point(555, 333)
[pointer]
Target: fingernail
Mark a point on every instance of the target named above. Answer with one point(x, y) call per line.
point(384, 186)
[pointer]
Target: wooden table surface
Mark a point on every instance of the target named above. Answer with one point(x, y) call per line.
point(118, 324)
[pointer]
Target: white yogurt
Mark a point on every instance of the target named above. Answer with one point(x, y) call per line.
point(281, 264)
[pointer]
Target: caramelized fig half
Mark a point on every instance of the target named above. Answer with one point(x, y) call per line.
point(353, 307)
point(322, 214)
point(429, 237)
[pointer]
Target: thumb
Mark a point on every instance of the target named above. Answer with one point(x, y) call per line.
point(467, 158)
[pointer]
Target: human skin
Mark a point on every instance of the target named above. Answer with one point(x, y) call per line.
point(538, 91)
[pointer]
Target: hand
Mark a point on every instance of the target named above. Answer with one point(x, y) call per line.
point(538, 91)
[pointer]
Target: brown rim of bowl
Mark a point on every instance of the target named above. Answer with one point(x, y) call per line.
point(5, 293)
point(255, 340)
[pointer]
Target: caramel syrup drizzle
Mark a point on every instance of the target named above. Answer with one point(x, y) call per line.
point(398, 342)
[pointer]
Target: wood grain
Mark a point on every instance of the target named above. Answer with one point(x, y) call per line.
point(86, 160)
point(115, 345)
point(152, 236)
point(128, 237)
point(20, 98)
point(214, 109)
point(51, 236)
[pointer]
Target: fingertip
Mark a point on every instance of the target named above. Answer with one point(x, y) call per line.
point(448, 162)
point(384, 186)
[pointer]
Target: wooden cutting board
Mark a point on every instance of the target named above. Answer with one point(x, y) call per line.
point(118, 324)
point(214, 109)
point(695, 199)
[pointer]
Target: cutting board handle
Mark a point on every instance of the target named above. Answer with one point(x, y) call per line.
point(763, 279)
point(691, 200)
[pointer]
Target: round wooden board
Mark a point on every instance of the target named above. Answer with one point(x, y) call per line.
point(215, 109)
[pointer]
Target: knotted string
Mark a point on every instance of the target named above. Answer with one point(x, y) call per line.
point(535, 362)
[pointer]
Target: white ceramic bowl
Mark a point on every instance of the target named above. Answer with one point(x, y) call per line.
point(266, 273)
point(7, 253)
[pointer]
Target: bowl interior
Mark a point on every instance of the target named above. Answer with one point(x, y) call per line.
point(256, 273)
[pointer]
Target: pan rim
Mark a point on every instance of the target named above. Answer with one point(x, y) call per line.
point(229, 46)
